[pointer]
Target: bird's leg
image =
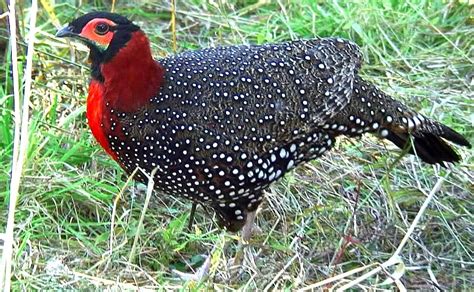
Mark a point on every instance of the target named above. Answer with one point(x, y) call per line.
point(249, 227)
point(203, 270)
point(191, 216)
point(248, 230)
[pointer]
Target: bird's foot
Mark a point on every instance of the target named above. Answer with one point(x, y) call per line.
point(201, 273)
point(250, 229)
point(234, 265)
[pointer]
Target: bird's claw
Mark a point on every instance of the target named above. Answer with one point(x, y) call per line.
point(199, 275)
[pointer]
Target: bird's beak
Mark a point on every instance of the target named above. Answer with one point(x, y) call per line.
point(66, 31)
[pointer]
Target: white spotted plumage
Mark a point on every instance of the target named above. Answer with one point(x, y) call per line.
point(229, 121)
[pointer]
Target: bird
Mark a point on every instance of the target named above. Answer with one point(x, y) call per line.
point(219, 125)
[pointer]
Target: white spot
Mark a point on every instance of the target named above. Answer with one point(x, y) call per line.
point(272, 176)
point(416, 121)
point(278, 173)
point(293, 148)
point(291, 163)
point(273, 158)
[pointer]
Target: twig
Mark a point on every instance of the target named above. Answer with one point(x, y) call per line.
point(346, 238)
point(278, 275)
point(117, 284)
point(21, 136)
point(393, 260)
point(335, 278)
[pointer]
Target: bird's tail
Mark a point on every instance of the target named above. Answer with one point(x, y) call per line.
point(370, 110)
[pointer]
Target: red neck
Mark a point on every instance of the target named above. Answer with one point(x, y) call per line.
point(132, 76)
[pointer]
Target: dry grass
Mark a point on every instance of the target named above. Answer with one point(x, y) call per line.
point(348, 211)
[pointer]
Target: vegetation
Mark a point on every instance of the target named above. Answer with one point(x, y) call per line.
point(77, 216)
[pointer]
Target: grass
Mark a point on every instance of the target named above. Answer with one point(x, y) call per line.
point(347, 210)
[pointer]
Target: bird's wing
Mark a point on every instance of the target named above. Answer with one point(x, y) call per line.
point(272, 91)
point(255, 98)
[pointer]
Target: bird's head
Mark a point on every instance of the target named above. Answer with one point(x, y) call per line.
point(103, 32)
point(119, 51)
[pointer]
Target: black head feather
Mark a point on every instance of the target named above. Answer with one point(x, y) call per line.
point(123, 23)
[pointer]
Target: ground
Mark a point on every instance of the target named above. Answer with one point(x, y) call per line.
point(77, 219)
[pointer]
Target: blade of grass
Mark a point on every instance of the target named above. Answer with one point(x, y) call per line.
point(149, 192)
point(5, 264)
point(114, 209)
point(173, 25)
point(21, 138)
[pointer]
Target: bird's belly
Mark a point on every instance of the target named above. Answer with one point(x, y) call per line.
point(211, 171)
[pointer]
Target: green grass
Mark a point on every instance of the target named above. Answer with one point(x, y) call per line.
point(418, 51)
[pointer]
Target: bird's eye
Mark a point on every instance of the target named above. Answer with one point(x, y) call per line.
point(102, 28)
